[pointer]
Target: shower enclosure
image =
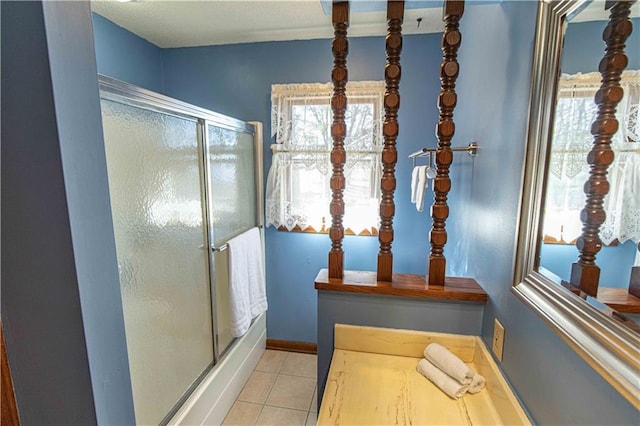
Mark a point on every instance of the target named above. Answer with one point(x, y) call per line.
point(182, 181)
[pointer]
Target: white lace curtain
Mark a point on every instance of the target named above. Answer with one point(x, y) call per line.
point(298, 192)
point(572, 140)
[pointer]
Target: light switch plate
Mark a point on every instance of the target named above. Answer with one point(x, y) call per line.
point(498, 339)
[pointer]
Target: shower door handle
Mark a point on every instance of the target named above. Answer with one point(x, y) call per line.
point(213, 248)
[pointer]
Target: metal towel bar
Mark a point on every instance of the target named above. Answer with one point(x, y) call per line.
point(226, 245)
point(471, 149)
point(221, 248)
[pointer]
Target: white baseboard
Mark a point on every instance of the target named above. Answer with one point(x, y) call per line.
point(210, 402)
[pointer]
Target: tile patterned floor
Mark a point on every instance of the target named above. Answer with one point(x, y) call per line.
point(280, 391)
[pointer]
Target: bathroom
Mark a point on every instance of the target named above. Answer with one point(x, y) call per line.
point(554, 384)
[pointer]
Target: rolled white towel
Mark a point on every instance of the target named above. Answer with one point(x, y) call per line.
point(477, 384)
point(446, 383)
point(449, 363)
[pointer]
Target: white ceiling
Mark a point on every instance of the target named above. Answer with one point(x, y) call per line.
point(183, 23)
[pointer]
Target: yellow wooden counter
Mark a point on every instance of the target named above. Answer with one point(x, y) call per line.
point(373, 381)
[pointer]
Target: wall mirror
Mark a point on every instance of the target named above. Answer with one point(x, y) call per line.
point(567, 169)
point(568, 48)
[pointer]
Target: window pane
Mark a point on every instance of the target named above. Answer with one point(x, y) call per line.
point(310, 192)
point(301, 172)
point(310, 195)
point(360, 126)
point(310, 126)
point(361, 193)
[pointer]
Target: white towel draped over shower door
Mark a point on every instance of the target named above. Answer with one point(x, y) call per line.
point(247, 287)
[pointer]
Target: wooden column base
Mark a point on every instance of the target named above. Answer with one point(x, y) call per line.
point(586, 278)
point(385, 267)
point(634, 282)
point(336, 265)
point(437, 266)
point(573, 289)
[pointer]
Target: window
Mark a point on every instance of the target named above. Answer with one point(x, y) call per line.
point(572, 140)
point(298, 191)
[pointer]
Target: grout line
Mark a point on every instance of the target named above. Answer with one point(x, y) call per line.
point(312, 395)
point(259, 413)
point(266, 398)
point(286, 408)
point(284, 361)
point(296, 375)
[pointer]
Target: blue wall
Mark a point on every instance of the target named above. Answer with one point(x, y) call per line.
point(236, 80)
point(584, 48)
point(61, 306)
point(554, 383)
point(125, 56)
point(615, 262)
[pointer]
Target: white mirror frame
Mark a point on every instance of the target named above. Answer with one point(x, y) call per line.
point(606, 345)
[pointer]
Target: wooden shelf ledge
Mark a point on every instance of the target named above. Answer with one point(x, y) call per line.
point(619, 300)
point(404, 285)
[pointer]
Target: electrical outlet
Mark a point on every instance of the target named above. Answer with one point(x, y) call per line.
point(498, 339)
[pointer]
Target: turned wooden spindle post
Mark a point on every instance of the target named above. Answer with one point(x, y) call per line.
point(634, 280)
point(339, 76)
point(451, 39)
point(392, 71)
point(585, 274)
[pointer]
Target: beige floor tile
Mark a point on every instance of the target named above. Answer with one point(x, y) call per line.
point(257, 387)
point(304, 365)
point(314, 401)
point(312, 419)
point(278, 416)
point(291, 392)
point(242, 414)
point(271, 361)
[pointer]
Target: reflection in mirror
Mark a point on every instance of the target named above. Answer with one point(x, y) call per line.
point(596, 334)
point(568, 170)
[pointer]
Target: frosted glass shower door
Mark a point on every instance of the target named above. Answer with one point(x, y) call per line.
point(155, 172)
point(232, 195)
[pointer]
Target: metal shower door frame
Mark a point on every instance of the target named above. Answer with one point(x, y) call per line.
point(122, 92)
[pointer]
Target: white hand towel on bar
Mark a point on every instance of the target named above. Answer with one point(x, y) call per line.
point(449, 363)
point(422, 184)
point(247, 288)
point(477, 384)
point(446, 383)
point(414, 184)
